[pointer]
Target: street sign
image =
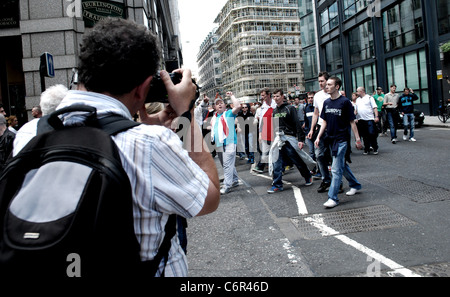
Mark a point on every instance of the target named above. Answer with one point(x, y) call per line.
point(47, 67)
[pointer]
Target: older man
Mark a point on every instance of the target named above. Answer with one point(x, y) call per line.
point(367, 115)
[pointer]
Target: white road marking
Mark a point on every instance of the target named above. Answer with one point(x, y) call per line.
point(317, 221)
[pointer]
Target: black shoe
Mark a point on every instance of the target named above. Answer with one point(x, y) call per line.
point(323, 187)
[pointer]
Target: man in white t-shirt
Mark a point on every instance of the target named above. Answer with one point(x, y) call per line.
point(322, 151)
point(367, 116)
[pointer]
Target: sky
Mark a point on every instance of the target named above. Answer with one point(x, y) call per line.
point(196, 21)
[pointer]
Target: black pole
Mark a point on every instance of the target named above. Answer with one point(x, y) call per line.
point(42, 83)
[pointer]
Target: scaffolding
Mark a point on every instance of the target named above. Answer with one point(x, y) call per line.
point(259, 44)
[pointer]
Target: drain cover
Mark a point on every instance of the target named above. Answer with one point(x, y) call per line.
point(415, 190)
point(349, 221)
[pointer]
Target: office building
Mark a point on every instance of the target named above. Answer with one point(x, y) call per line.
point(259, 44)
point(378, 43)
point(210, 73)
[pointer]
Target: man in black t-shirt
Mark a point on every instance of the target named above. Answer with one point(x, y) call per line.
point(338, 116)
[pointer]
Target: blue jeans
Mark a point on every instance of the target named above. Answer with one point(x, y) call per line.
point(340, 168)
point(408, 118)
point(322, 160)
point(288, 153)
point(392, 124)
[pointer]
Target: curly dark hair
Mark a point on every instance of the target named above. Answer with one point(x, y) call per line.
point(117, 56)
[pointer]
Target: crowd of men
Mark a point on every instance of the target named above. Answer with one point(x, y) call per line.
point(281, 129)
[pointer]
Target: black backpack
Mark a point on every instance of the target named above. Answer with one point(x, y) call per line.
point(66, 205)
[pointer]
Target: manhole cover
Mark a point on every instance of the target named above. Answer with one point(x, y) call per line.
point(415, 190)
point(366, 219)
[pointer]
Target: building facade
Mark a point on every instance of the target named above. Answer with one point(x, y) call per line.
point(28, 28)
point(259, 44)
point(372, 43)
point(208, 60)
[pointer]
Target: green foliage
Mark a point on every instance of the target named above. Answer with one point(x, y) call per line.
point(445, 48)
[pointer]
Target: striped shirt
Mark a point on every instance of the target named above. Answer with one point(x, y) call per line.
point(164, 179)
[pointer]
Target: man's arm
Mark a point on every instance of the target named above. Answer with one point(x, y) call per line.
point(314, 121)
point(236, 103)
point(180, 96)
point(201, 155)
point(359, 145)
point(322, 130)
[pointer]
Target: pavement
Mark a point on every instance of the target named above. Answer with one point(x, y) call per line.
point(252, 234)
point(433, 121)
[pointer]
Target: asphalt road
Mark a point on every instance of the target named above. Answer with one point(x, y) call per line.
point(398, 225)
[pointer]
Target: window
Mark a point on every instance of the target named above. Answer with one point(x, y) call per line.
point(352, 7)
point(333, 55)
point(365, 76)
point(310, 68)
point(305, 7)
point(403, 25)
point(329, 18)
point(293, 81)
point(409, 70)
point(307, 30)
point(443, 7)
point(361, 43)
point(292, 67)
point(291, 53)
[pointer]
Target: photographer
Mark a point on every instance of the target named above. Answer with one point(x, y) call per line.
point(118, 61)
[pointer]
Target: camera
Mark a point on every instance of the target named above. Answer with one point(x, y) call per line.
point(158, 92)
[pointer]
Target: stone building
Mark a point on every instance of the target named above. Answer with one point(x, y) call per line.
point(28, 28)
point(259, 44)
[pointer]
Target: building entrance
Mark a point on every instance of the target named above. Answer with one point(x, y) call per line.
point(12, 81)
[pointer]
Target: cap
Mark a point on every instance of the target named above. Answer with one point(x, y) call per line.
point(218, 99)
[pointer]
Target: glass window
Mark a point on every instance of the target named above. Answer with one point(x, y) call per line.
point(310, 63)
point(403, 25)
point(365, 76)
point(409, 70)
point(333, 55)
point(351, 7)
point(305, 7)
point(329, 18)
point(307, 30)
point(443, 7)
point(361, 43)
point(412, 71)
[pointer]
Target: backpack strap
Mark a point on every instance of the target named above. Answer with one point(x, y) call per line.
point(114, 124)
point(163, 252)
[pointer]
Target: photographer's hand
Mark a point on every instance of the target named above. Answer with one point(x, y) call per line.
point(180, 95)
point(162, 118)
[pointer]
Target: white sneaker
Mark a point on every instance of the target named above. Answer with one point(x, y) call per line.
point(352, 192)
point(330, 203)
point(412, 139)
point(405, 137)
point(224, 190)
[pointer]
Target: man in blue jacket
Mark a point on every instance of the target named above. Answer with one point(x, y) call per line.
point(406, 105)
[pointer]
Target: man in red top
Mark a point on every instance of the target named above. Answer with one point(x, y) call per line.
point(265, 128)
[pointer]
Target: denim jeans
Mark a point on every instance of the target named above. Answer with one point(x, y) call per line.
point(288, 153)
point(392, 124)
point(322, 160)
point(340, 168)
point(408, 119)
